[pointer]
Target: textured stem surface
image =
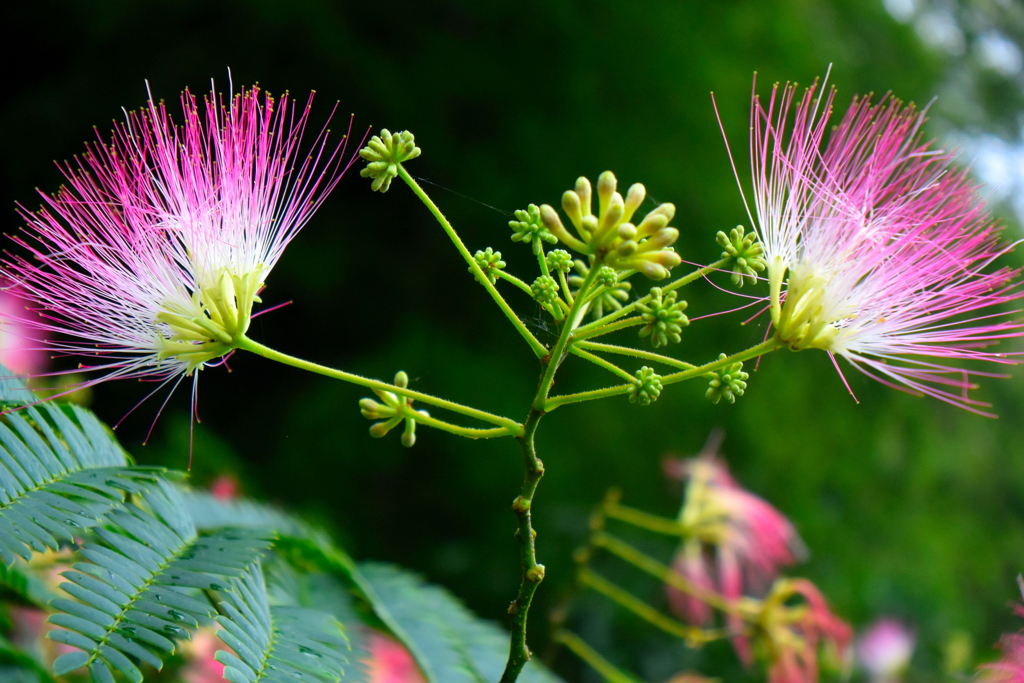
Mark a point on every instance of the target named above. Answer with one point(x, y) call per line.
point(533, 573)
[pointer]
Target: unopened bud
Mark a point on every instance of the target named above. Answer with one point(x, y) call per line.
point(401, 379)
point(605, 189)
point(573, 208)
point(634, 198)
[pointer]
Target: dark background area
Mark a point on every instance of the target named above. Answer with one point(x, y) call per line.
point(910, 507)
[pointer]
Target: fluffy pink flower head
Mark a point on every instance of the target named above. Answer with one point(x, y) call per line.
point(737, 544)
point(19, 353)
point(792, 634)
point(884, 650)
point(151, 257)
point(1010, 667)
point(390, 662)
point(880, 242)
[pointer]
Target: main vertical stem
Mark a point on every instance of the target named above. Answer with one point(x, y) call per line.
point(533, 573)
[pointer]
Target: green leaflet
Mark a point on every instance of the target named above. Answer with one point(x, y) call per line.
point(449, 643)
point(139, 590)
point(60, 470)
point(279, 644)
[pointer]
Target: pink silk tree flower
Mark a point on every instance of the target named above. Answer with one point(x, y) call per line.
point(20, 352)
point(881, 242)
point(1010, 667)
point(794, 634)
point(884, 650)
point(737, 542)
point(390, 662)
point(151, 257)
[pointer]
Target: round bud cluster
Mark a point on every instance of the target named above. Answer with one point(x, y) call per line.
point(392, 412)
point(610, 236)
point(606, 277)
point(728, 382)
point(743, 253)
point(664, 317)
point(559, 260)
point(490, 263)
point(544, 289)
point(528, 228)
point(646, 388)
point(384, 154)
point(609, 299)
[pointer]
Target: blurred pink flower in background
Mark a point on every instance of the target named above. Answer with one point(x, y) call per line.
point(20, 350)
point(793, 642)
point(224, 487)
point(390, 662)
point(736, 544)
point(885, 649)
point(1010, 667)
point(199, 653)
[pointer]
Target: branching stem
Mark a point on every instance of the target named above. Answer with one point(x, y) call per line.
point(539, 349)
point(510, 427)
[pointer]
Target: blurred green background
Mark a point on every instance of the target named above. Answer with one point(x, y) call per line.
point(911, 508)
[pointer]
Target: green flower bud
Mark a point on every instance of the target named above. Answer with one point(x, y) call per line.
point(664, 317)
point(528, 227)
point(401, 379)
point(559, 260)
point(384, 153)
point(609, 299)
point(728, 382)
point(490, 262)
point(647, 387)
point(544, 289)
point(607, 276)
point(743, 253)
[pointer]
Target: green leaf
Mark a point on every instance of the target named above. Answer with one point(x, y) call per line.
point(141, 588)
point(59, 473)
point(13, 391)
point(324, 593)
point(278, 644)
point(447, 641)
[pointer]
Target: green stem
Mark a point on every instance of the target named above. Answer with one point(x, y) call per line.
point(645, 520)
point(539, 349)
point(588, 332)
point(608, 671)
point(768, 346)
point(533, 573)
point(555, 357)
point(759, 350)
point(656, 569)
point(516, 281)
point(638, 607)
point(510, 426)
point(552, 403)
point(635, 353)
point(468, 432)
point(565, 286)
point(601, 363)
point(681, 282)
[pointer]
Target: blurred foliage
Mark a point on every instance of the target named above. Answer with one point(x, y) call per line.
point(910, 507)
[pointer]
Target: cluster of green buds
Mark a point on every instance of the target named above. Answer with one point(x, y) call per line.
point(529, 229)
point(646, 387)
point(385, 152)
point(664, 318)
point(610, 236)
point(728, 382)
point(610, 297)
point(392, 412)
point(490, 263)
point(743, 253)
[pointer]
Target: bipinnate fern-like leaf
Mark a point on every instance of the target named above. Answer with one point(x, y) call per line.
point(448, 642)
point(139, 591)
point(59, 472)
point(279, 644)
